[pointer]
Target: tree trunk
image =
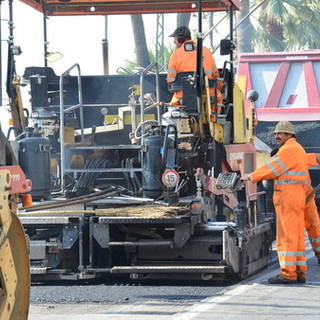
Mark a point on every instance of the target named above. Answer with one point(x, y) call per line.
point(244, 31)
point(183, 19)
point(141, 49)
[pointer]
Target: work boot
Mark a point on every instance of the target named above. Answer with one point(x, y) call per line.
point(281, 280)
point(301, 277)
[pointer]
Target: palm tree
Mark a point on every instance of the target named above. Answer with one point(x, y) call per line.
point(140, 40)
point(131, 65)
point(244, 32)
point(280, 25)
point(142, 54)
point(288, 25)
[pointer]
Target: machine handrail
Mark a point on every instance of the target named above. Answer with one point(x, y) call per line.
point(62, 113)
point(142, 109)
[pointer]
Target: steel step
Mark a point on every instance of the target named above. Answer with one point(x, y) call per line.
point(81, 146)
point(38, 270)
point(169, 269)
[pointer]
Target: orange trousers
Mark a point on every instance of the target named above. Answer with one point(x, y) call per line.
point(289, 203)
point(312, 224)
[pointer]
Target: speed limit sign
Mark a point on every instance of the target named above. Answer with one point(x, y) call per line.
point(170, 178)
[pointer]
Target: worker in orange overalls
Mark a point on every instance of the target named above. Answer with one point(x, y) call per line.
point(184, 59)
point(311, 215)
point(289, 170)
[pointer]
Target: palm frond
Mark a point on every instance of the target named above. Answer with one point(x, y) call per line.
point(287, 25)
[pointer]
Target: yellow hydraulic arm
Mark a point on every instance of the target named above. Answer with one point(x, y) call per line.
point(16, 108)
point(14, 255)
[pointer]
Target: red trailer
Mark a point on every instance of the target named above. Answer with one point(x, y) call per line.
point(288, 84)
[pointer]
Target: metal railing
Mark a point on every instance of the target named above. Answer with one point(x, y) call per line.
point(142, 106)
point(80, 105)
point(63, 110)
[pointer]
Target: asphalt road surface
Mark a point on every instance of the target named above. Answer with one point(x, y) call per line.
point(122, 298)
point(124, 292)
point(252, 298)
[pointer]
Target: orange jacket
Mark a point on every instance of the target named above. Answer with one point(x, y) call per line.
point(186, 61)
point(287, 167)
point(311, 161)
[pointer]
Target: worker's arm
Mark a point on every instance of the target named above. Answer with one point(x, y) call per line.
point(172, 69)
point(313, 159)
point(273, 168)
point(245, 177)
point(216, 75)
point(210, 66)
point(262, 173)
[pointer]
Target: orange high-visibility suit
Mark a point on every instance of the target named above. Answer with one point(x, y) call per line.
point(186, 61)
point(311, 215)
point(289, 170)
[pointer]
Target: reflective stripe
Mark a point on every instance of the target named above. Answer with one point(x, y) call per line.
point(314, 239)
point(171, 79)
point(289, 182)
point(292, 263)
point(172, 71)
point(291, 253)
point(277, 173)
point(296, 173)
point(207, 71)
point(280, 163)
point(273, 169)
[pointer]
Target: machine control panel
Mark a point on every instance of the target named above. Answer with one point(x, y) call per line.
point(226, 180)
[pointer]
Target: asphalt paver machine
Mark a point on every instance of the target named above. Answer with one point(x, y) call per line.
point(183, 209)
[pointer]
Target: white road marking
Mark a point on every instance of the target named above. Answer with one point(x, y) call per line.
point(238, 289)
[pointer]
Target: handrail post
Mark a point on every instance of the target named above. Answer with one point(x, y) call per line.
point(158, 93)
point(142, 103)
point(62, 113)
point(141, 94)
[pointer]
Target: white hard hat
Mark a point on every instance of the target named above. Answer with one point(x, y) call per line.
point(285, 127)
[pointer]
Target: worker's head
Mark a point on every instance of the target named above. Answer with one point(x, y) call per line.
point(283, 131)
point(180, 35)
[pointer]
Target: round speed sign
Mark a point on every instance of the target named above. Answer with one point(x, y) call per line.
point(170, 178)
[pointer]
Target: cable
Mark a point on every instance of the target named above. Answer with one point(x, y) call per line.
point(87, 179)
point(142, 124)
